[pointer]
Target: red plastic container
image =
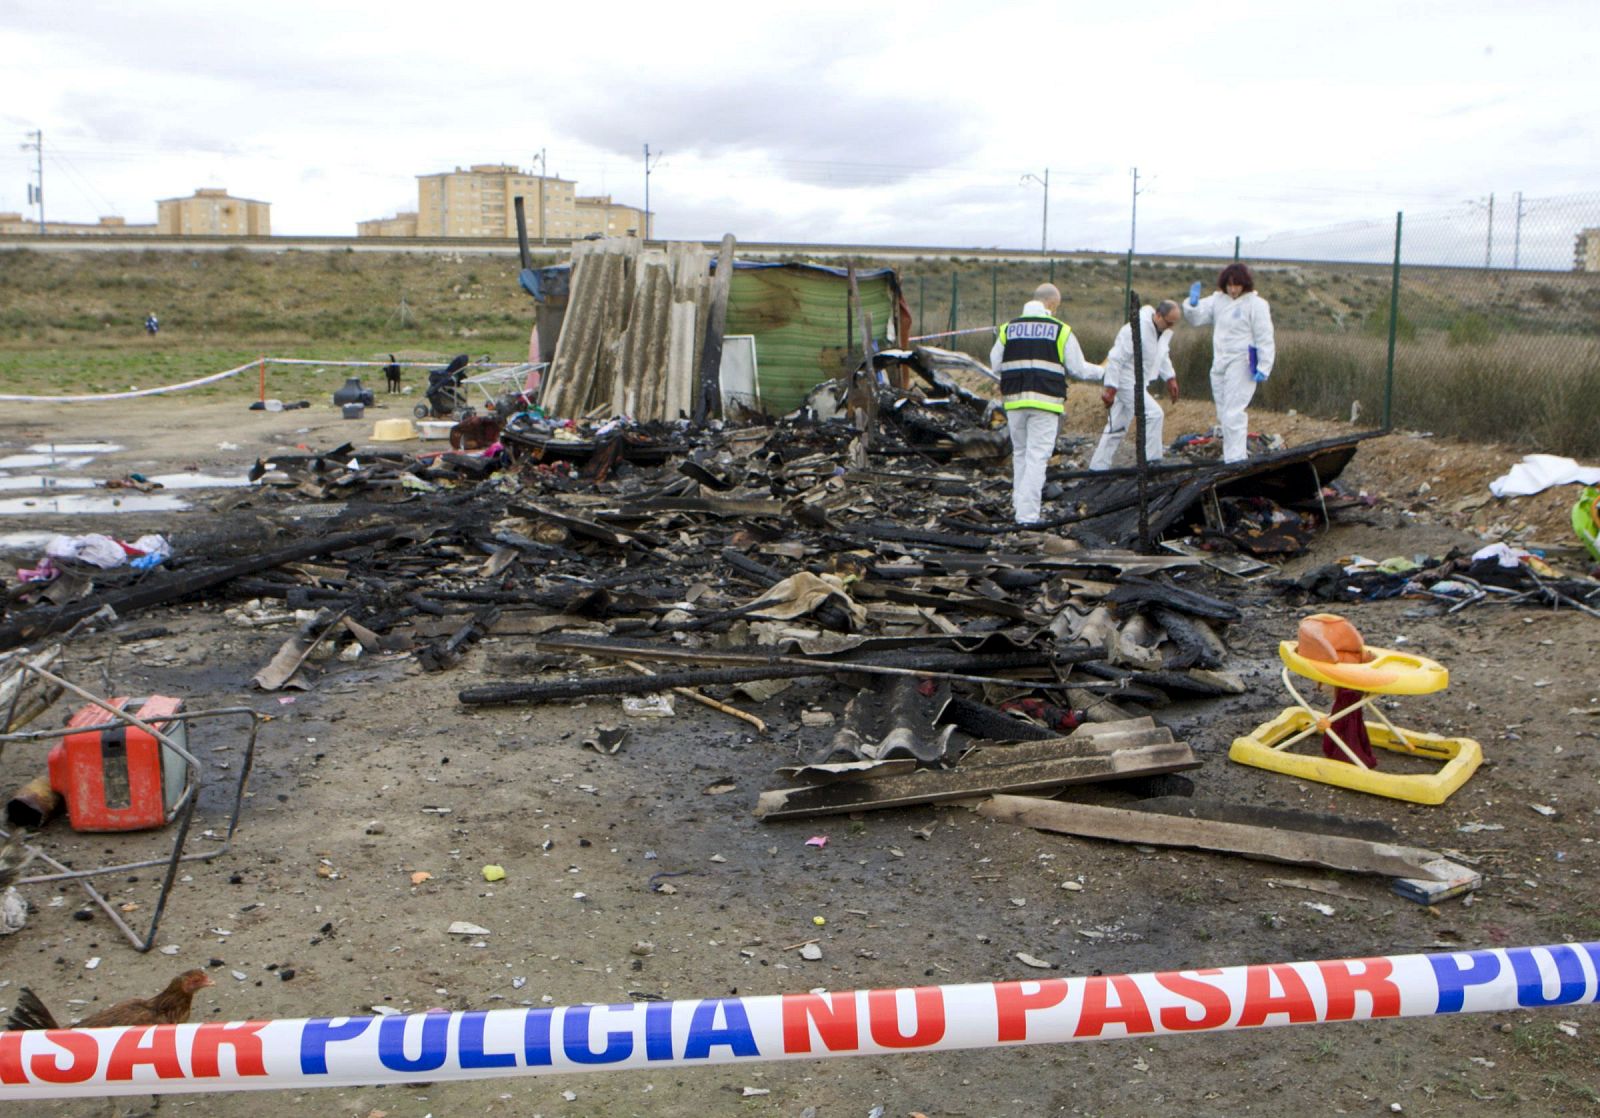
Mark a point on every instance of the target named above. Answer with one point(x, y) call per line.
point(119, 778)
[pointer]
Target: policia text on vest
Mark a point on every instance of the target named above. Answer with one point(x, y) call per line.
point(1032, 368)
point(1033, 355)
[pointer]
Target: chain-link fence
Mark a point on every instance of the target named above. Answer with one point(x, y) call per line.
point(1485, 326)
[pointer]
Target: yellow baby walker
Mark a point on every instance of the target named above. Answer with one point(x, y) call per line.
point(1331, 652)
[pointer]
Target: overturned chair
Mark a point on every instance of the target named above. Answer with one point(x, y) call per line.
point(1331, 652)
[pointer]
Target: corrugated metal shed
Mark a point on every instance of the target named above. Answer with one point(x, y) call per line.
point(633, 331)
point(632, 326)
point(800, 317)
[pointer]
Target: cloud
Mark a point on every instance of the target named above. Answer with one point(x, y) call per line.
point(810, 127)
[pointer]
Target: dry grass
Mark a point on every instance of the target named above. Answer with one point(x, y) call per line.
point(1510, 356)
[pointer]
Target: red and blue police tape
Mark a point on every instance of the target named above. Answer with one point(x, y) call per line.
point(352, 1051)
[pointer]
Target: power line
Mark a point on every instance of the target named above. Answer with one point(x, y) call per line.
point(83, 183)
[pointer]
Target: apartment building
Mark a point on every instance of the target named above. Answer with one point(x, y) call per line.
point(480, 201)
point(1586, 253)
point(402, 224)
point(212, 211)
point(13, 223)
point(597, 213)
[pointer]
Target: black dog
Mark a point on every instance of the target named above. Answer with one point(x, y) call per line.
point(391, 373)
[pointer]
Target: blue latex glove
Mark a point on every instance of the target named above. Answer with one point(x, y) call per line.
point(145, 562)
point(1194, 294)
point(1255, 372)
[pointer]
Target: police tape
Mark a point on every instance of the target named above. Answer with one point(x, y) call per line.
point(131, 394)
point(359, 1051)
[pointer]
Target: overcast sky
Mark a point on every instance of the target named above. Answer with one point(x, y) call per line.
point(824, 121)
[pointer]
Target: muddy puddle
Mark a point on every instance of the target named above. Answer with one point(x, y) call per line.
point(41, 493)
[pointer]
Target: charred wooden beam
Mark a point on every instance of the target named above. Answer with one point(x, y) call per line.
point(445, 654)
point(158, 591)
point(927, 786)
point(584, 687)
point(1137, 592)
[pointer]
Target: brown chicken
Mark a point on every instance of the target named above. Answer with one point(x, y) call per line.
point(14, 857)
point(170, 1007)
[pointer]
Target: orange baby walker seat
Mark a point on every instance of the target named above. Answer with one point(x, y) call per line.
point(1330, 652)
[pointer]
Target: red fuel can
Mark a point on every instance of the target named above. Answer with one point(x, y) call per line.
point(120, 778)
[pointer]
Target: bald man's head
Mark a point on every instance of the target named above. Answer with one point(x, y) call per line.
point(1049, 295)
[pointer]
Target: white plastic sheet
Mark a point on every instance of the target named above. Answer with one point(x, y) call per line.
point(1538, 472)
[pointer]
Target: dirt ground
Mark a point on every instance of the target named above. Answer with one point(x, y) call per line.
point(377, 772)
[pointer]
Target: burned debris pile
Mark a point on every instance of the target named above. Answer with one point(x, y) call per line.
point(643, 559)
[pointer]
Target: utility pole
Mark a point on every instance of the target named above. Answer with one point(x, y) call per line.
point(648, 163)
point(544, 171)
point(1488, 244)
point(1044, 230)
point(1133, 226)
point(1516, 244)
point(36, 193)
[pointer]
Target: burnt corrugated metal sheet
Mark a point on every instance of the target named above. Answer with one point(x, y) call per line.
point(633, 331)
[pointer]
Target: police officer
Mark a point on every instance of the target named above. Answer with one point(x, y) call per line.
point(1033, 355)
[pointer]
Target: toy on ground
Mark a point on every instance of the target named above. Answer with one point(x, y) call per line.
point(1586, 519)
point(1330, 651)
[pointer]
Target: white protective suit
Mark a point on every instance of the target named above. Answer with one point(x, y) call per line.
point(1154, 348)
point(1238, 324)
point(1033, 430)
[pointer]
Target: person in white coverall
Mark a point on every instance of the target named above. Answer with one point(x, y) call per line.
point(1155, 341)
point(1242, 350)
point(1033, 355)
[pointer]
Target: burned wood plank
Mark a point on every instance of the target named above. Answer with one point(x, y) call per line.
point(970, 603)
point(440, 655)
point(760, 572)
point(927, 786)
point(707, 395)
point(1281, 818)
point(895, 533)
point(711, 506)
point(583, 687)
point(588, 529)
point(933, 655)
point(157, 591)
point(785, 667)
point(1198, 646)
point(1272, 844)
point(1137, 592)
point(424, 604)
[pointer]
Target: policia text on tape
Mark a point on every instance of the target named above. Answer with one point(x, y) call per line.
point(349, 1051)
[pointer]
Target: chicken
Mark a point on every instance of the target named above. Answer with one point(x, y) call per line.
point(14, 857)
point(170, 1007)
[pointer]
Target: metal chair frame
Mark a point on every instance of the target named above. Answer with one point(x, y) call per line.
point(182, 812)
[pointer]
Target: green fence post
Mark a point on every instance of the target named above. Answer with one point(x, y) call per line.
point(1127, 282)
point(1394, 323)
point(1052, 271)
point(922, 304)
point(1236, 246)
point(994, 293)
point(955, 299)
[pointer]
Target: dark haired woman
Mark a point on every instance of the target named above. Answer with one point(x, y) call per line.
point(1242, 350)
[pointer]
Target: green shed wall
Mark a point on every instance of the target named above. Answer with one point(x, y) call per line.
point(800, 321)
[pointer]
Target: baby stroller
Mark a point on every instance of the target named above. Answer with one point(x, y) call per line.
point(445, 395)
